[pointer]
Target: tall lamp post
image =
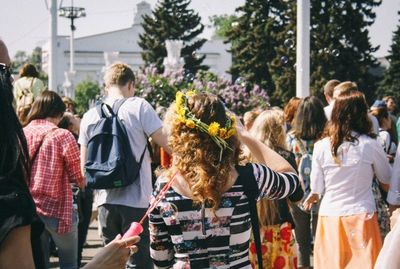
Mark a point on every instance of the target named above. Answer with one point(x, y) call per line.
point(71, 13)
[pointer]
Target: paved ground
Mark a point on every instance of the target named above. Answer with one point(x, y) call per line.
point(93, 244)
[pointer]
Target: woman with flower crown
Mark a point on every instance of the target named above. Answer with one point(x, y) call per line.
point(203, 221)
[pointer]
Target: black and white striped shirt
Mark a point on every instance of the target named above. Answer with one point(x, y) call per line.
point(186, 236)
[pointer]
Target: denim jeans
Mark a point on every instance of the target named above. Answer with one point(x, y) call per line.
point(116, 219)
point(304, 230)
point(66, 243)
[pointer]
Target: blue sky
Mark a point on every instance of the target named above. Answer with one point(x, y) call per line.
point(25, 23)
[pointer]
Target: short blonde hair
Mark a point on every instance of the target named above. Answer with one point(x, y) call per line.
point(344, 87)
point(118, 74)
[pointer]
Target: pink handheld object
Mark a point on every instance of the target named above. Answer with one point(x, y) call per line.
point(135, 229)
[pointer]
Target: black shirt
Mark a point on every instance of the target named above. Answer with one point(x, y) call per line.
point(18, 209)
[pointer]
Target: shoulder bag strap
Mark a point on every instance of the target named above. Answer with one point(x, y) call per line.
point(31, 86)
point(303, 148)
point(251, 190)
point(41, 143)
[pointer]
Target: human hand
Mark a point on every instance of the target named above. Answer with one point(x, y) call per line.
point(240, 129)
point(313, 198)
point(115, 254)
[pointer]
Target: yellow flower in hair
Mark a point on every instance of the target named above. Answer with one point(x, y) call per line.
point(190, 93)
point(222, 133)
point(231, 132)
point(213, 129)
point(190, 124)
point(233, 120)
point(179, 99)
point(181, 111)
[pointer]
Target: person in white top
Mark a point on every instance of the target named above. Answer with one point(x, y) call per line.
point(343, 167)
point(328, 93)
point(119, 207)
point(380, 111)
point(349, 85)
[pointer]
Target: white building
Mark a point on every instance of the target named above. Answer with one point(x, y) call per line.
point(90, 52)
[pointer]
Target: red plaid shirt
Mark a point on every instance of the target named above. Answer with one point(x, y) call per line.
point(56, 165)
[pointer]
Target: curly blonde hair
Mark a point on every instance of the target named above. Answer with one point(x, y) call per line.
point(196, 155)
point(268, 128)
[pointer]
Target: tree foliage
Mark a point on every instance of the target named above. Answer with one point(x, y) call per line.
point(85, 92)
point(252, 44)
point(264, 50)
point(390, 84)
point(172, 20)
point(222, 25)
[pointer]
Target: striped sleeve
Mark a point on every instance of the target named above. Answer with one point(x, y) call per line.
point(161, 247)
point(274, 185)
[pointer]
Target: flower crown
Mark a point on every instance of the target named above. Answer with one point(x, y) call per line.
point(217, 133)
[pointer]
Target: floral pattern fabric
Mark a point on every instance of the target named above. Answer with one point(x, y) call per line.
point(277, 246)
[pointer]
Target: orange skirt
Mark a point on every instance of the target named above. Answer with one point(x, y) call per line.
point(347, 242)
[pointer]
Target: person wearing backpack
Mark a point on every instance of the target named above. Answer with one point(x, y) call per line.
point(26, 88)
point(113, 138)
point(309, 123)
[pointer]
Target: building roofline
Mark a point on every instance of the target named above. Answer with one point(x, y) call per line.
point(104, 33)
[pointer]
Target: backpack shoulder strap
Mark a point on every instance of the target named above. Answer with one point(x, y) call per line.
point(250, 187)
point(117, 105)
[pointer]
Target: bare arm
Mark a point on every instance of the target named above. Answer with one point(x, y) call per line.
point(161, 138)
point(115, 254)
point(16, 250)
point(83, 158)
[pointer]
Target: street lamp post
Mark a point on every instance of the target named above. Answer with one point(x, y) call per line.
point(71, 13)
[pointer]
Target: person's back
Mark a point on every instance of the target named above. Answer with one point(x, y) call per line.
point(343, 167)
point(204, 219)
point(119, 207)
point(54, 154)
point(348, 184)
point(34, 84)
point(139, 126)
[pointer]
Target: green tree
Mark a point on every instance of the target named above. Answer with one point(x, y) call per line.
point(36, 58)
point(390, 84)
point(85, 92)
point(339, 47)
point(252, 43)
point(340, 43)
point(222, 25)
point(172, 20)
point(20, 58)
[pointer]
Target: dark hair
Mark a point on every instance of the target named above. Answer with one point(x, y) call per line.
point(14, 155)
point(380, 114)
point(28, 70)
point(310, 119)
point(47, 104)
point(350, 113)
point(330, 86)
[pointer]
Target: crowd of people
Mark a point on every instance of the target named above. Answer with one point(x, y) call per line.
point(326, 180)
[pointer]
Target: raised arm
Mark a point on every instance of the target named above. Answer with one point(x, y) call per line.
point(275, 185)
